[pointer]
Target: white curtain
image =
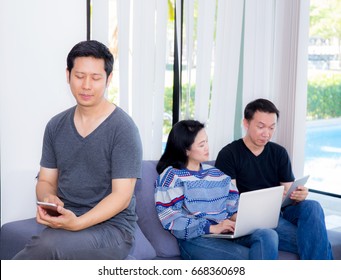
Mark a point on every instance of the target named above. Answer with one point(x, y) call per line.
point(243, 50)
point(290, 76)
point(124, 46)
point(142, 41)
point(205, 44)
point(188, 48)
point(226, 69)
point(142, 64)
point(258, 50)
point(275, 48)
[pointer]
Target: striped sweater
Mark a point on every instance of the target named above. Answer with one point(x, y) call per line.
point(188, 202)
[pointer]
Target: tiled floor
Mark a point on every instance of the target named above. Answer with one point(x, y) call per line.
point(332, 210)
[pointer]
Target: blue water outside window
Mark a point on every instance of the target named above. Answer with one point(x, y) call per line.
point(323, 155)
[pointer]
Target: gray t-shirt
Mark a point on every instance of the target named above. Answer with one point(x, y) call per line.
point(86, 165)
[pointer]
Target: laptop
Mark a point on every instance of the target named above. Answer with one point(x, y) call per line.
point(257, 209)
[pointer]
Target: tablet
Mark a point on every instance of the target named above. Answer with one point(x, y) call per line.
point(299, 182)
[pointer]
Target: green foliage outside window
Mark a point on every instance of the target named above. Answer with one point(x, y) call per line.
point(168, 105)
point(324, 96)
point(323, 99)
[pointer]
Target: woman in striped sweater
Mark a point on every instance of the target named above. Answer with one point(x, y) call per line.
point(193, 199)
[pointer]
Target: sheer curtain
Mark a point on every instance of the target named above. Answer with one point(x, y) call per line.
point(260, 30)
point(242, 50)
point(205, 44)
point(226, 69)
point(211, 54)
point(290, 80)
point(148, 55)
point(141, 41)
point(275, 66)
point(272, 51)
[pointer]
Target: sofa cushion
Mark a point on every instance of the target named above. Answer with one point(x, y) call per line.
point(164, 243)
point(15, 235)
point(335, 241)
point(142, 249)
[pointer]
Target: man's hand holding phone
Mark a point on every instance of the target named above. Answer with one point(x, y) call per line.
point(50, 208)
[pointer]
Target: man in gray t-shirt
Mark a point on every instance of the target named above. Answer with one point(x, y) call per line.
point(91, 158)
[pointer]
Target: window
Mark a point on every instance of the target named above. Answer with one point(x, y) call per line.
point(323, 134)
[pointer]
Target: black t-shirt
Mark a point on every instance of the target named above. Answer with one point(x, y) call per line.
point(252, 172)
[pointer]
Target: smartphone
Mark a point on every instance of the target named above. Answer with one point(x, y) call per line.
point(50, 208)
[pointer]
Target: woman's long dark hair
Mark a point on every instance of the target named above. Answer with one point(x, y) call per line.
point(180, 139)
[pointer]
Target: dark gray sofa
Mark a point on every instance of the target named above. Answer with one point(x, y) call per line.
point(152, 241)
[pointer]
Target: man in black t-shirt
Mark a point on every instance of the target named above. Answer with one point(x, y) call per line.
point(254, 162)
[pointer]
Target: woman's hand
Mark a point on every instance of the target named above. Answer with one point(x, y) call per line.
point(224, 226)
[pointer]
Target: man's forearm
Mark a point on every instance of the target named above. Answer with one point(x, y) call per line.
point(44, 190)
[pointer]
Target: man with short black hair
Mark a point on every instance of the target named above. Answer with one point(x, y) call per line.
point(253, 162)
point(91, 158)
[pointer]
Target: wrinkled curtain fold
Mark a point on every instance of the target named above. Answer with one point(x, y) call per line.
point(142, 56)
point(233, 52)
point(225, 79)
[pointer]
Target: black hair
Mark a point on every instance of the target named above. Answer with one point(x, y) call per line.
point(91, 48)
point(180, 139)
point(261, 105)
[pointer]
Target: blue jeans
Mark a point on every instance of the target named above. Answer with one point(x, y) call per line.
point(261, 245)
point(302, 230)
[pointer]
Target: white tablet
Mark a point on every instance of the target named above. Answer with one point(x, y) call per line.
point(298, 182)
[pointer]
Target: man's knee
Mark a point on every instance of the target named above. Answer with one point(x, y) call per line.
point(312, 205)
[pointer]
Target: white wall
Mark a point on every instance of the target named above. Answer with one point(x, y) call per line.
point(35, 38)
